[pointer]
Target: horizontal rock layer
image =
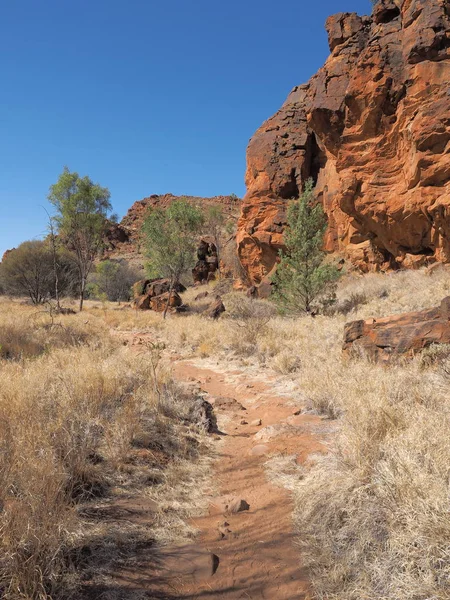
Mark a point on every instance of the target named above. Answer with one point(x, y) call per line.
point(372, 128)
point(383, 339)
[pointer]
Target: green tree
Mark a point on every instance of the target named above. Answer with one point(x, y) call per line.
point(82, 208)
point(113, 280)
point(30, 270)
point(302, 276)
point(170, 239)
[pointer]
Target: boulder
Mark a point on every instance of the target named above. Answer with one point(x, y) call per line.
point(158, 303)
point(398, 335)
point(140, 287)
point(215, 309)
point(200, 272)
point(201, 296)
point(372, 129)
point(147, 289)
point(142, 302)
point(208, 262)
point(161, 286)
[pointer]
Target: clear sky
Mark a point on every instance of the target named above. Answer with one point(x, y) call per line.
point(144, 96)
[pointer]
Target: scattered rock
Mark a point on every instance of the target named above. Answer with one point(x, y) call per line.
point(229, 505)
point(201, 296)
point(65, 311)
point(272, 431)
point(404, 334)
point(225, 531)
point(256, 423)
point(244, 422)
point(215, 309)
point(259, 450)
point(224, 403)
point(202, 413)
point(189, 560)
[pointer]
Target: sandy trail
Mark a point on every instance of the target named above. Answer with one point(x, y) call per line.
point(258, 558)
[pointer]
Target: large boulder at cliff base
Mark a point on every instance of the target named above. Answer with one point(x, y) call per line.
point(405, 334)
point(372, 129)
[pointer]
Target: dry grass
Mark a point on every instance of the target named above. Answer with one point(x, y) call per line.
point(82, 418)
point(27, 332)
point(373, 514)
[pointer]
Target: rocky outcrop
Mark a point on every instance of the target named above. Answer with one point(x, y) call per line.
point(207, 263)
point(124, 238)
point(372, 129)
point(405, 334)
point(152, 294)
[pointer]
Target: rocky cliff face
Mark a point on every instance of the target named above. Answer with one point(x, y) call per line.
point(372, 128)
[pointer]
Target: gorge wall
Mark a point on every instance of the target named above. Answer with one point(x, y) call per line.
point(372, 128)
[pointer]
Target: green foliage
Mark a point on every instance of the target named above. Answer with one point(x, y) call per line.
point(170, 238)
point(303, 277)
point(29, 270)
point(81, 219)
point(112, 281)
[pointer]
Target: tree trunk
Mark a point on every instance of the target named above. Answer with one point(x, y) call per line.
point(82, 288)
point(169, 298)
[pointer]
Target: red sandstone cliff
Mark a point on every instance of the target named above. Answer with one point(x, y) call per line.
point(372, 128)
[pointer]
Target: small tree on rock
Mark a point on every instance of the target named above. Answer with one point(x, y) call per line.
point(170, 238)
point(81, 218)
point(303, 277)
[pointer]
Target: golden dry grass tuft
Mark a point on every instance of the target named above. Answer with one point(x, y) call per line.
point(81, 417)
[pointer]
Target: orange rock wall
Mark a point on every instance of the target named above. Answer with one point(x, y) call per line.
point(372, 128)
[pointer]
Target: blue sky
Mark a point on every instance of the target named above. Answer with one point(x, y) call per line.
point(144, 96)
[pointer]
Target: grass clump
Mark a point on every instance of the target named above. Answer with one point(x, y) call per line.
point(373, 516)
point(84, 418)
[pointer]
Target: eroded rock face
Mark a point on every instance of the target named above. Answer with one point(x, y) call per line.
point(372, 128)
point(405, 334)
